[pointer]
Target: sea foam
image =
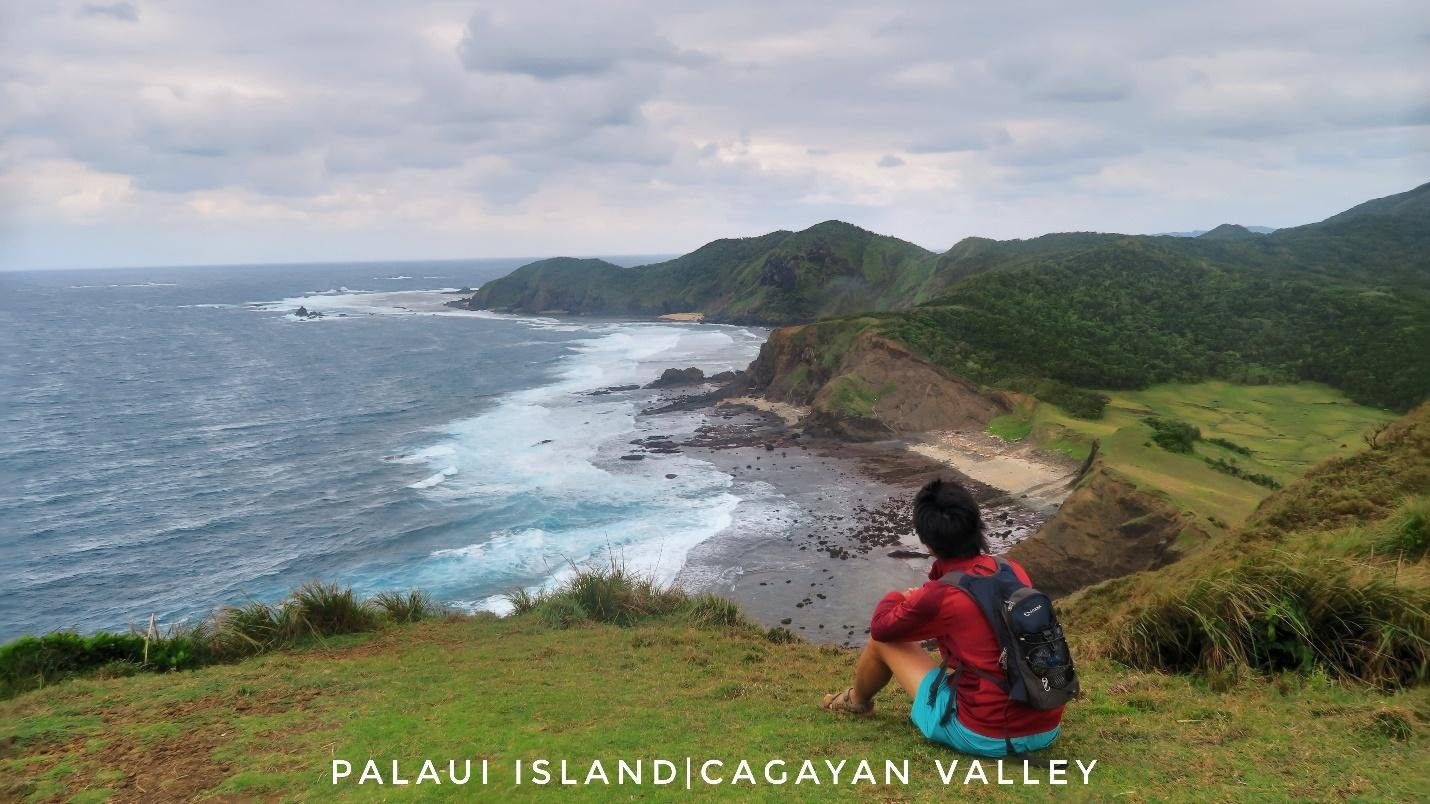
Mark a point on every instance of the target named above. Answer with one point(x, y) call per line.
point(548, 460)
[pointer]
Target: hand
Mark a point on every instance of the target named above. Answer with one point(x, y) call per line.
point(909, 592)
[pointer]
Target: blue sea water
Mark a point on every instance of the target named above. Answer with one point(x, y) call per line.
point(175, 439)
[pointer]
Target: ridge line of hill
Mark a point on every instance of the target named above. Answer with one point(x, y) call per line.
point(1343, 301)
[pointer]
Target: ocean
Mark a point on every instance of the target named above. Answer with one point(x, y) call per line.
point(175, 439)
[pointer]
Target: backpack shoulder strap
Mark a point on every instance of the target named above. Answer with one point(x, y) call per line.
point(1005, 567)
point(953, 578)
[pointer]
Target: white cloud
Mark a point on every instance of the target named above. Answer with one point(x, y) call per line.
point(149, 132)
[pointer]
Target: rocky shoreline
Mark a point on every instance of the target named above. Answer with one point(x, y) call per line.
point(824, 526)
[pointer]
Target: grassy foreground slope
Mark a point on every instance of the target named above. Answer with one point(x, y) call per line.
point(517, 689)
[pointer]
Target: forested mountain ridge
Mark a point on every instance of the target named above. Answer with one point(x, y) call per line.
point(1345, 301)
point(835, 268)
point(832, 268)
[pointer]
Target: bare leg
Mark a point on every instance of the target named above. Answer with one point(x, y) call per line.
point(906, 661)
point(881, 661)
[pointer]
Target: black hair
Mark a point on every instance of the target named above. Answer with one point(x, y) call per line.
point(947, 520)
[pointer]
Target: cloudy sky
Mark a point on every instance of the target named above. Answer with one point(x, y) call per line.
point(172, 132)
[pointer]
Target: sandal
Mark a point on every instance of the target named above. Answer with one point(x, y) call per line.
point(842, 702)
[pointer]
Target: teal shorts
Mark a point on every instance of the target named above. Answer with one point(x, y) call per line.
point(928, 710)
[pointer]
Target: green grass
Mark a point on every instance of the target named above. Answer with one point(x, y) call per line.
point(1287, 428)
point(517, 689)
point(1288, 612)
point(850, 395)
point(1014, 426)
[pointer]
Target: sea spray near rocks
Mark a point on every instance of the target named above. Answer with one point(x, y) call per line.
point(554, 462)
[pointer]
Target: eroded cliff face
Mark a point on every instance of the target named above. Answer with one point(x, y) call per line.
point(1105, 529)
point(863, 386)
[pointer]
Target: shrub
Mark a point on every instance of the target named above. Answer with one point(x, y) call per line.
point(523, 601)
point(1080, 403)
point(713, 611)
point(314, 610)
point(1231, 445)
point(31, 662)
point(1410, 531)
point(409, 607)
point(321, 609)
point(1173, 435)
point(1234, 469)
point(559, 612)
point(615, 595)
point(119, 668)
point(1275, 617)
point(243, 630)
point(781, 636)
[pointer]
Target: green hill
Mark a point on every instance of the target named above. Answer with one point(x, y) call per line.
point(829, 269)
point(1229, 231)
point(1345, 302)
point(1134, 312)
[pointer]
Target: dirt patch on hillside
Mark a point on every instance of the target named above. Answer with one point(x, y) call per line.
point(913, 396)
point(1105, 529)
point(873, 389)
point(176, 769)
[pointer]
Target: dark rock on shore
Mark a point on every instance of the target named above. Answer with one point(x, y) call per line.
point(611, 389)
point(658, 445)
point(304, 312)
point(673, 377)
point(908, 554)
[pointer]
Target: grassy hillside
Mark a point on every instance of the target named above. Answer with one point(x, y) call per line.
point(1278, 431)
point(1333, 564)
point(518, 689)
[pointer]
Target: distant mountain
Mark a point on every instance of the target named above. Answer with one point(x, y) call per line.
point(829, 269)
point(1411, 205)
point(1229, 231)
point(1200, 232)
point(1345, 301)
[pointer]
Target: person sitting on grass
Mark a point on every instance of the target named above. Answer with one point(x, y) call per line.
point(977, 717)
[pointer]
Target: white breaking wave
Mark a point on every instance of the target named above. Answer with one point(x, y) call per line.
point(546, 461)
point(432, 480)
point(553, 454)
point(134, 285)
point(344, 302)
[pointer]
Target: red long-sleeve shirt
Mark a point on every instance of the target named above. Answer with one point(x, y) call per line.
point(949, 616)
